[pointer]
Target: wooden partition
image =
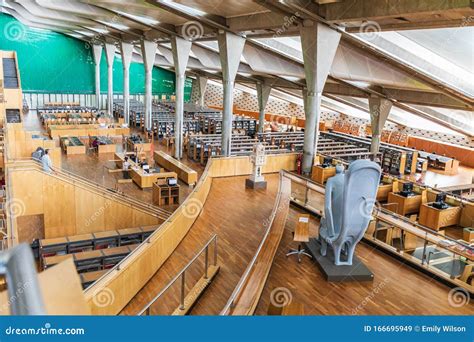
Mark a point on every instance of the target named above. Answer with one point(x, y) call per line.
point(126, 279)
point(70, 207)
point(464, 154)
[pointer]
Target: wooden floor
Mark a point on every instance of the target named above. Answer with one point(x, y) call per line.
point(237, 216)
point(397, 289)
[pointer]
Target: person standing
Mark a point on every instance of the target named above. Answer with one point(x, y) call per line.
point(125, 168)
point(46, 162)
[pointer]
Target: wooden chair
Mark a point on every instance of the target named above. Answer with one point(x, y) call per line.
point(301, 235)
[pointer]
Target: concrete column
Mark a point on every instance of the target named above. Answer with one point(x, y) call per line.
point(231, 47)
point(110, 56)
point(148, 54)
point(126, 50)
point(319, 44)
point(97, 52)
point(181, 49)
point(379, 110)
point(263, 94)
point(202, 81)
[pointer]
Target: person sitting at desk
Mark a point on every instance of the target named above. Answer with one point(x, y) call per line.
point(95, 143)
point(145, 166)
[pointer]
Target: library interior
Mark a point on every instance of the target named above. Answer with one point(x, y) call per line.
point(192, 157)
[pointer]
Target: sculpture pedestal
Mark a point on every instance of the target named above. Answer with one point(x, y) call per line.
point(356, 272)
point(250, 184)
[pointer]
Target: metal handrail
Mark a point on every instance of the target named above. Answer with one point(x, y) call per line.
point(292, 175)
point(182, 275)
point(230, 302)
point(76, 179)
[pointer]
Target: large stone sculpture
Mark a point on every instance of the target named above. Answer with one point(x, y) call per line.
point(258, 160)
point(349, 202)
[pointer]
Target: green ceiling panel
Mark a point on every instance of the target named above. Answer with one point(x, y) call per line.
point(51, 62)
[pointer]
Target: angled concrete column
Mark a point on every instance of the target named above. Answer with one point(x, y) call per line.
point(379, 110)
point(148, 54)
point(97, 52)
point(231, 47)
point(319, 44)
point(126, 51)
point(202, 81)
point(181, 49)
point(263, 94)
point(110, 56)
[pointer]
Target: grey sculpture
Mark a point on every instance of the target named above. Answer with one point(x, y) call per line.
point(349, 202)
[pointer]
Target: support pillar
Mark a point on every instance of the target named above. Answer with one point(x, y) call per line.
point(263, 94)
point(231, 47)
point(126, 50)
point(379, 110)
point(97, 52)
point(181, 49)
point(202, 81)
point(319, 44)
point(110, 56)
point(148, 54)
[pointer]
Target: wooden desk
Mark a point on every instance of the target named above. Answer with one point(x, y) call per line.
point(468, 234)
point(87, 278)
point(106, 238)
point(435, 218)
point(405, 205)
point(72, 145)
point(302, 229)
point(55, 259)
point(320, 175)
point(140, 147)
point(383, 191)
point(164, 194)
point(146, 180)
point(184, 172)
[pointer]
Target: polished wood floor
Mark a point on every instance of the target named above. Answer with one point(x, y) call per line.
point(237, 215)
point(397, 289)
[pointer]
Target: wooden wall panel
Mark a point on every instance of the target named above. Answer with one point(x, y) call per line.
point(59, 208)
point(27, 192)
point(117, 215)
point(90, 211)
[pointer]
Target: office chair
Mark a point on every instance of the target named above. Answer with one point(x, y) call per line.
point(301, 235)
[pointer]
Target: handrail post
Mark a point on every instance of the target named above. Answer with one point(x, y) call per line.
point(215, 251)
point(148, 310)
point(206, 261)
point(183, 285)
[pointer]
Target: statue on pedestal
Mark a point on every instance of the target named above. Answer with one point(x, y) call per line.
point(258, 159)
point(349, 201)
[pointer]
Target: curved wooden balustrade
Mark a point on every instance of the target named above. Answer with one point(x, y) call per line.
point(116, 288)
point(246, 295)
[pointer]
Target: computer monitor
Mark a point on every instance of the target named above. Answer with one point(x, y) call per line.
point(441, 197)
point(172, 181)
point(407, 187)
point(327, 162)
